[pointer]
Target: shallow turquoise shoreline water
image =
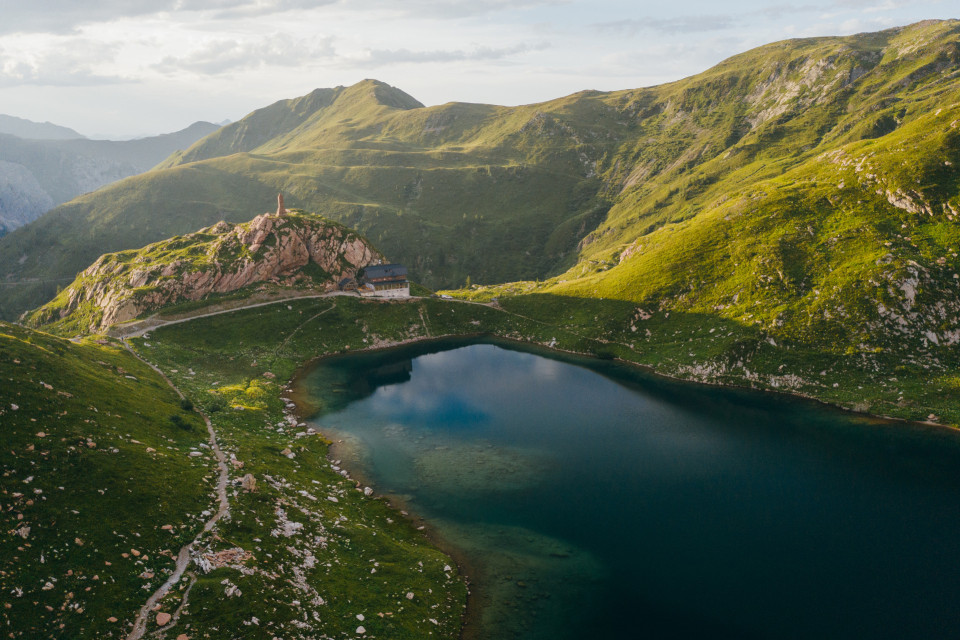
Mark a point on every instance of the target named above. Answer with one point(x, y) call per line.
point(601, 501)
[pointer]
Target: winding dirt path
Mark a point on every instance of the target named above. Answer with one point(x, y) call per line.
point(301, 326)
point(423, 321)
point(138, 328)
point(184, 557)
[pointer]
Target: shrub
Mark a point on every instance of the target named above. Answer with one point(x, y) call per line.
point(186, 404)
point(605, 353)
point(180, 423)
point(216, 403)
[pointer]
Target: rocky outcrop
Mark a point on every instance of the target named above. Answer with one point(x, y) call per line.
point(909, 201)
point(122, 286)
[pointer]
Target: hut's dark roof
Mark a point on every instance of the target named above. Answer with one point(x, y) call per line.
point(385, 271)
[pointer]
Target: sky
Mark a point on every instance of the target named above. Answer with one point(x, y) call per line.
point(120, 68)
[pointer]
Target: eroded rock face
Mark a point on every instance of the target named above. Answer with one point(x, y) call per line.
point(218, 259)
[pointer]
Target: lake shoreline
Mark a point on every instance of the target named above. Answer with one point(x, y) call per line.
point(386, 345)
point(470, 569)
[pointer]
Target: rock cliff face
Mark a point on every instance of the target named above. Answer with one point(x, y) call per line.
point(296, 249)
point(22, 199)
point(42, 166)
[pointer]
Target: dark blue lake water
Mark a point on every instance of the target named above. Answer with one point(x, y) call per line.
point(593, 500)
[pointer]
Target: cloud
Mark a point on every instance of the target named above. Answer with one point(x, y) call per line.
point(384, 57)
point(423, 9)
point(68, 65)
point(222, 55)
point(780, 10)
point(66, 16)
point(451, 9)
point(873, 5)
point(673, 26)
point(858, 25)
point(238, 9)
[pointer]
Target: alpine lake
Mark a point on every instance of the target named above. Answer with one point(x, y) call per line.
point(590, 499)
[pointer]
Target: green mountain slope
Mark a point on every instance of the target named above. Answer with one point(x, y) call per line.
point(92, 441)
point(106, 475)
point(854, 248)
point(498, 194)
point(404, 176)
point(850, 243)
point(284, 119)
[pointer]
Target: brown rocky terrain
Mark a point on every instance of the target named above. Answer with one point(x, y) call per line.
point(289, 250)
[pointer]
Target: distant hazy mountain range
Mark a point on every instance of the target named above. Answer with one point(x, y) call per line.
point(22, 128)
point(44, 165)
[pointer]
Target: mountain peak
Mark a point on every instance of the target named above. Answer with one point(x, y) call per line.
point(275, 123)
point(384, 94)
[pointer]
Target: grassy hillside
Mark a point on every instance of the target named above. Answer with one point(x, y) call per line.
point(440, 198)
point(93, 439)
point(498, 194)
point(366, 557)
point(94, 442)
point(852, 248)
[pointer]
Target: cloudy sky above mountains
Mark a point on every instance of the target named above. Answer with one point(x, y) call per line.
point(133, 67)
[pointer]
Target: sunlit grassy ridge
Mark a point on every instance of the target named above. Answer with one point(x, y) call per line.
point(501, 194)
point(855, 248)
